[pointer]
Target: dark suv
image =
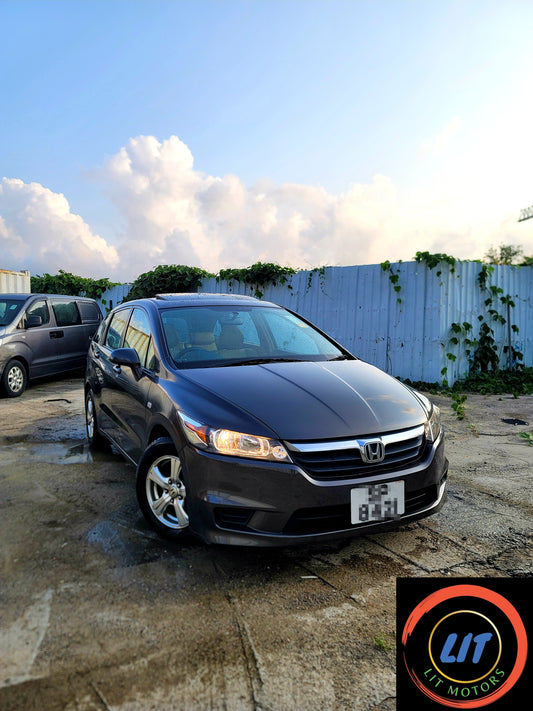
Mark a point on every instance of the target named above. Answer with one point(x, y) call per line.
point(248, 425)
point(43, 334)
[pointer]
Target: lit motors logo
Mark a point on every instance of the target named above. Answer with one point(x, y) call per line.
point(461, 646)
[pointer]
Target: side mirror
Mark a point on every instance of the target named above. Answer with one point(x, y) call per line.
point(33, 321)
point(127, 357)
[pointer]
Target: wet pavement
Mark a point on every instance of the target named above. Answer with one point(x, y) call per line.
point(97, 612)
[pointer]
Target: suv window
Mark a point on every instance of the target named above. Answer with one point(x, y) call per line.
point(39, 308)
point(66, 313)
point(90, 313)
point(9, 308)
point(117, 328)
point(138, 334)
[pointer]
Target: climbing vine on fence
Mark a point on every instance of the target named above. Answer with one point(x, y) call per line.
point(258, 276)
point(482, 350)
point(394, 278)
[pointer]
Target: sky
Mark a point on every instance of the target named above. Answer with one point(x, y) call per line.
point(219, 133)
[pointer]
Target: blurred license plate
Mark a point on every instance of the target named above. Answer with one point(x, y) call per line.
point(378, 502)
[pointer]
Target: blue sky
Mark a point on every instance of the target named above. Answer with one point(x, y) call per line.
point(220, 132)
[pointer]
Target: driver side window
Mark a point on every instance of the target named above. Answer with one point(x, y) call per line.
point(138, 334)
point(39, 308)
point(117, 328)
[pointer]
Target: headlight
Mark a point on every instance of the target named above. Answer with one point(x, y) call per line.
point(236, 444)
point(432, 425)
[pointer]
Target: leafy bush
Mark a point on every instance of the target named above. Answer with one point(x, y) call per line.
point(167, 279)
point(70, 284)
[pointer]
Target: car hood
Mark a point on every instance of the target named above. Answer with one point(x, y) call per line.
point(315, 400)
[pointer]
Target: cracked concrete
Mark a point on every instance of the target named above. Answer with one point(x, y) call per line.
point(97, 612)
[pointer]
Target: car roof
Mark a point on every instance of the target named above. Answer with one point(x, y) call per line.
point(24, 297)
point(185, 299)
point(16, 296)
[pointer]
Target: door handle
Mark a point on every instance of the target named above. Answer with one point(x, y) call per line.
point(57, 334)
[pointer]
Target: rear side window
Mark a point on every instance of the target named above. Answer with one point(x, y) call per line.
point(66, 313)
point(117, 328)
point(90, 313)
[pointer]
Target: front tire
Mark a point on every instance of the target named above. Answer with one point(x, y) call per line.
point(14, 379)
point(161, 489)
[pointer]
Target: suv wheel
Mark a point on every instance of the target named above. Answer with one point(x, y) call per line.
point(161, 489)
point(14, 379)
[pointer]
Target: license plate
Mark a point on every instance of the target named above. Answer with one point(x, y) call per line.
point(377, 502)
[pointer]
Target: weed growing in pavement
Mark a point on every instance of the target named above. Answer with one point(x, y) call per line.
point(458, 405)
point(381, 642)
point(528, 436)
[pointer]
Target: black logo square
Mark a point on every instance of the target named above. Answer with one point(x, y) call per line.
point(462, 643)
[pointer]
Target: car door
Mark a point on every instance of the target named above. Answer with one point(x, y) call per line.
point(71, 340)
point(39, 340)
point(106, 382)
point(132, 388)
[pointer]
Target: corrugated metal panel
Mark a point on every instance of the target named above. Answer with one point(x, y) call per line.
point(406, 333)
point(113, 297)
point(14, 282)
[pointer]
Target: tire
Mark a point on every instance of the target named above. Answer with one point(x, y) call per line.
point(14, 378)
point(161, 489)
point(95, 438)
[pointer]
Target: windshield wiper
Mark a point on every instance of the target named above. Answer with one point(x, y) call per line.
point(341, 357)
point(258, 361)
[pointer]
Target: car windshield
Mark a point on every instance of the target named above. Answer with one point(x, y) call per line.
point(209, 336)
point(9, 308)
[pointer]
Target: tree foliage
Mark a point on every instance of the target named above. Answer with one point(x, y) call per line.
point(167, 279)
point(70, 284)
point(504, 254)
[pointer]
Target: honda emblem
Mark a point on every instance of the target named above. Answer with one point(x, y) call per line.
point(373, 452)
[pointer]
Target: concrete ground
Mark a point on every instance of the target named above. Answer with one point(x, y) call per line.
point(98, 613)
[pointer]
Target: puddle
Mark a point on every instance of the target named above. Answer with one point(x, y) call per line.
point(126, 546)
point(20, 449)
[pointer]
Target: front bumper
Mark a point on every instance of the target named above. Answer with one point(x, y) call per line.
point(244, 502)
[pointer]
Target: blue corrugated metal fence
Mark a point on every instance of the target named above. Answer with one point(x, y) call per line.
point(406, 331)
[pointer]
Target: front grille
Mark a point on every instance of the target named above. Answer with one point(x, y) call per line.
point(324, 519)
point(343, 460)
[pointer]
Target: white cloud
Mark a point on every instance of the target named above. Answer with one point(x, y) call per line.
point(173, 214)
point(38, 232)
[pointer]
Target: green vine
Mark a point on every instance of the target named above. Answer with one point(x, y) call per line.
point(258, 276)
point(394, 278)
point(482, 352)
point(433, 260)
point(321, 271)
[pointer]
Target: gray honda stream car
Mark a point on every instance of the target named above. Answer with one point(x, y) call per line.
point(247, 425)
